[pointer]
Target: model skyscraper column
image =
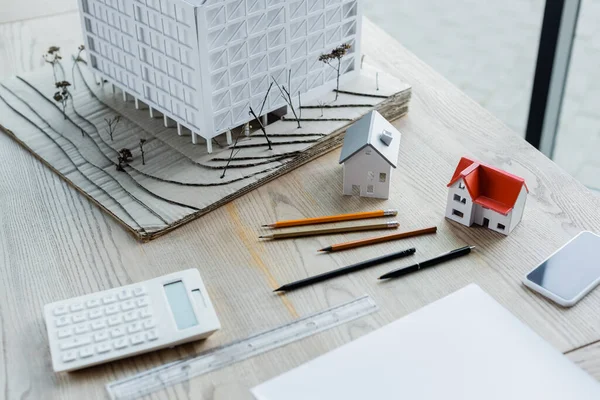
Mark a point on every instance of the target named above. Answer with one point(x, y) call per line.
point(203, 63)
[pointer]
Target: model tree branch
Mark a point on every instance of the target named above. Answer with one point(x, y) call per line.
point(111, 125)
point(336, 54)
point(77, 59)
point(53, 57)
point(285, 93)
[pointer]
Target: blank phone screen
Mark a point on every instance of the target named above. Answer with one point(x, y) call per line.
point(572, 269)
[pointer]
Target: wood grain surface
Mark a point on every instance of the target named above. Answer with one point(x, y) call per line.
point(54, 244)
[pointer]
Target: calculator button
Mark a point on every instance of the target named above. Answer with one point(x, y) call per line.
point(93, 303)
point(62, 321)
point(145, 313)
point(69, 356)
point(137, 339)
point(98, 324)
point(78, 318)
point(75, 342)
point(64, 333)
point(76, 307)
point(95, 314)
point(117, 332)
point(79, 329)
point(135, 327)
point(149, 323)
point(124, 294)
point(103, 348)
point(114, 320)
point(60, 310)
point(151, 335)
point(100, 336)
point(128, 305)
point(130, 316)
point(143, 302)
point(138, 291)
point(109, 299)
point(112, 309)
point(120, 343)
point(86, 352)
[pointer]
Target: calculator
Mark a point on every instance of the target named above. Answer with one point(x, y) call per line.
point(133, 319)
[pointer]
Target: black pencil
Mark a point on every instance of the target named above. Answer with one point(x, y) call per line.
point(463, 251)
point(345, 270)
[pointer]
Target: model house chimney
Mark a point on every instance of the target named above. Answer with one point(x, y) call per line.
point(386, 137)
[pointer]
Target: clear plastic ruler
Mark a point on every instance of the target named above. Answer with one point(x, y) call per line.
point(180, 371)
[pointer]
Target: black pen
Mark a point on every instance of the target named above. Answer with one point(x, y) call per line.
point(345, 270)
point(428, 263)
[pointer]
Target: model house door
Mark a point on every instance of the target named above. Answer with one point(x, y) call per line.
point(486, 223)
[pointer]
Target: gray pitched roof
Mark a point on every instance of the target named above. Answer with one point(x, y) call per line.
point(366, 132)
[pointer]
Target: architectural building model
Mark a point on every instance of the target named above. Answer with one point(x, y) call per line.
point(487, 196)
point(369, 153)
point(203, 63)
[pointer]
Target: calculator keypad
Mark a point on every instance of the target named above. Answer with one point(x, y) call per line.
point(112, 323)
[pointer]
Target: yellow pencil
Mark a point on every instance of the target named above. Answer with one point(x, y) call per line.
point(332, 218)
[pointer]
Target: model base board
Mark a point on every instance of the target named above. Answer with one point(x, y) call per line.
point(177, 181)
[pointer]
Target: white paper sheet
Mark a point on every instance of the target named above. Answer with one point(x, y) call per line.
point(465, 346)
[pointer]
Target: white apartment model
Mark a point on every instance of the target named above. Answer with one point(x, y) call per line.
point(203, 63)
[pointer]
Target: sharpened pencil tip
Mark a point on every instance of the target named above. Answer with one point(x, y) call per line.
point(265, 226)
point(324, 249)
point(278, 289)
point(261, 237)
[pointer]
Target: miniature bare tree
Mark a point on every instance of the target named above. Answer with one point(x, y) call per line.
point(142, 141)
point(111, 125)
point(234, 151)
point(77, 59)
point(62, 95)
point(53, 57)
point(321, 105)
point(285, 93)
point(251, 112)
point(336, 54)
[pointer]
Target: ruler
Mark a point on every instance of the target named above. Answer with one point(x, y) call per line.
point(180, 371)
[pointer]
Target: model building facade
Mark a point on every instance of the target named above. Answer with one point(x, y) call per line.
point(369, 154)
point(487, 196)
point(203, 63)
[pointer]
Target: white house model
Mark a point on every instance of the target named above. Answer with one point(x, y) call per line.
point(487, 196)
point(203, 63)
point(370, 151)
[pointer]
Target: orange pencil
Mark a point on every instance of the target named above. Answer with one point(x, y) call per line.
point(332, 218)
point(378, 239)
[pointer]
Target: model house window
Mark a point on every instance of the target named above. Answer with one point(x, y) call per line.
point(84, 5)
point(461, 185)
point(501, 227)
point(457, 198)
point(370, 189)
point(382, 177)
point(94, 61)
point(457, 213)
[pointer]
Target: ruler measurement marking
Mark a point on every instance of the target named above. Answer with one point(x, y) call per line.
point(220, 357)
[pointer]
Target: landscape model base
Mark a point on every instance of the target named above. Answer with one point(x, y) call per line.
point(176, 181)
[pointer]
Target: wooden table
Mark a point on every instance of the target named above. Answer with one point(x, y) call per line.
point(54, 244)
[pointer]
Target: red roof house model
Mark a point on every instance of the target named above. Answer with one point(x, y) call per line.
point(483, 195)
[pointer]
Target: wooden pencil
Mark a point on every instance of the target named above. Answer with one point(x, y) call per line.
point(332, 218)
point(329, 231)
point(379, 239)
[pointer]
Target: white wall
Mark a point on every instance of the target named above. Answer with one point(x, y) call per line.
point(494, 218)
point(518, 208)
point(356, 172)
point(465, 208)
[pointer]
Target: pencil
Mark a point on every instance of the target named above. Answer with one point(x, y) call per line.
point(332, 218)
point(328, 231)
point(379, 239)
point(345, 270)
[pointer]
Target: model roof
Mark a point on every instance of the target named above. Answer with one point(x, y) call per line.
point(367, 131)
point(488, 186)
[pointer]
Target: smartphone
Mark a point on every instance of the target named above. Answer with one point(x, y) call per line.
point(570, 273)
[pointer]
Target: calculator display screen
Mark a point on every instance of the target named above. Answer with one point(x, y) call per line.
point(182, 309)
